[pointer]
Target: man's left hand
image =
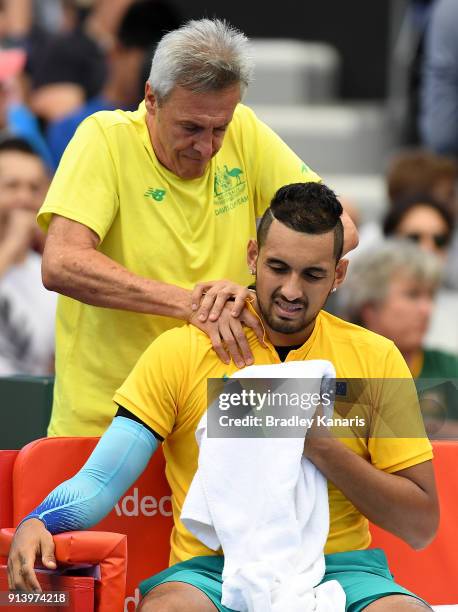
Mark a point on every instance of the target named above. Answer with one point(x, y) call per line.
point(228, 336)
point(209, 298)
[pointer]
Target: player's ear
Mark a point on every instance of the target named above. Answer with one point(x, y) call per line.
point(252, 255)
point(341, 272)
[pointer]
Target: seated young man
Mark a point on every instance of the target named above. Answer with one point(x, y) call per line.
point(388, 481)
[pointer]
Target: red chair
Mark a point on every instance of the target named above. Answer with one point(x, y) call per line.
point(431, 573)
point(143, 514)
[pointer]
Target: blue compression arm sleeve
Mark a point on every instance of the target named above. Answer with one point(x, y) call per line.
point(117, 461)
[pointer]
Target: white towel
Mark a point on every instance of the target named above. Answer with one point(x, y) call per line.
point(267, 507)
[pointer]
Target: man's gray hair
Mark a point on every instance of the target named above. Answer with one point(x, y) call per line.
point(202, 55)
point(370, 273)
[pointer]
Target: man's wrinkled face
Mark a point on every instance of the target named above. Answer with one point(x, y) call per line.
point(295, 273)
point(187, 129)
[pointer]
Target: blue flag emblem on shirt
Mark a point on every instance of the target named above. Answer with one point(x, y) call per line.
point(341, 388)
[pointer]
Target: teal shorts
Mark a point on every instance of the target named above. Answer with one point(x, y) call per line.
point(363, 574)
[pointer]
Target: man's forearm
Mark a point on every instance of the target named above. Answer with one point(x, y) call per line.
point(119, 458)
point(93, 278)
point(391, 501)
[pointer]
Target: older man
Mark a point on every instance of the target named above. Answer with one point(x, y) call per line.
point(145, 205)
point(388, 480)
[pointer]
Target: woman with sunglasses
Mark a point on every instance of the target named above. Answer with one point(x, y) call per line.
point(390, 290)
point(423, 220)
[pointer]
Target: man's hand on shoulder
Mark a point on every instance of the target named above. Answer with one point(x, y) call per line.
point(208, 299)
point(32, 540)
point(221, 313)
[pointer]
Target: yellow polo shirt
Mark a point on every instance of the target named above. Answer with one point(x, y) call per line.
point(167, 390)
point(158, 226)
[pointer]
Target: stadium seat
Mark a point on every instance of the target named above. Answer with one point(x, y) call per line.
point(143, 514)
point(442, 333)
point(366, 192)
point(106, 552)
point(334, 139)
point(303, 72)
point(431, 572)
point(27, 400)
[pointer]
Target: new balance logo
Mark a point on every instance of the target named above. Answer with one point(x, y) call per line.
point(155, 194)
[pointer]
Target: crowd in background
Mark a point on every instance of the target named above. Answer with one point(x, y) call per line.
point(62, 60)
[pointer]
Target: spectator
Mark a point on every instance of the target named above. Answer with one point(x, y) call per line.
point(422, 220)
point(439, 97)
point(391, 291)
point(406, 65)
point(142, 25)
point(15, 117)
point(409, 174)
point(420, 171)
point(26, 308)
point(22, 17)
point(430, 224)
point(64, 63)
point(65, 70)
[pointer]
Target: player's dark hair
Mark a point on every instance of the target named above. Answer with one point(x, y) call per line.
point(310, 208)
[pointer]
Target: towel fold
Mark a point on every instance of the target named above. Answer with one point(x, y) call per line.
point(266, 505)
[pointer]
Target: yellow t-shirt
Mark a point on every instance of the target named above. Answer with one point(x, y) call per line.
point(167, 390)
point(158, 226)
